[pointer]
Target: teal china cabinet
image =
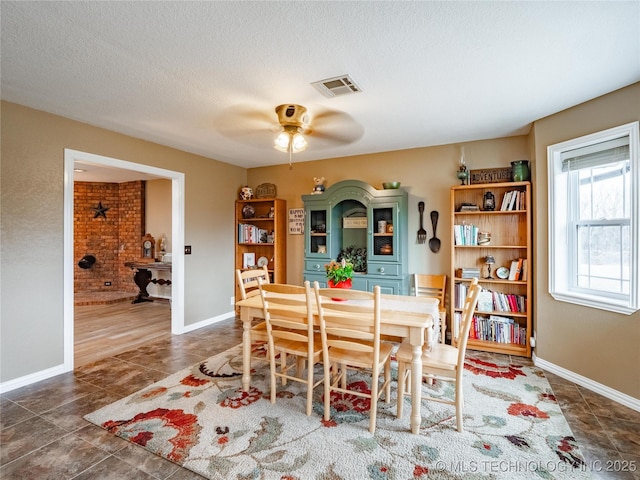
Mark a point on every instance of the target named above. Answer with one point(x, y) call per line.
point(368, 225)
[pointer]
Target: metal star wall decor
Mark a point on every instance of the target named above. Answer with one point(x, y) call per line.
point(100, 211)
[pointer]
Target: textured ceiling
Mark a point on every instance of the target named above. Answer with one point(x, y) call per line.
point(205, 77)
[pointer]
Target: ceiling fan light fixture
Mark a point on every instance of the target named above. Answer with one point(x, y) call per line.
point(290, 140)
point(282, 142)
point(298, 142)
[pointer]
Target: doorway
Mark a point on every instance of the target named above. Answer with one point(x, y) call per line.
point(73, 157)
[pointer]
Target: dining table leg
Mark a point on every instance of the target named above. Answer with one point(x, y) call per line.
point(416, 380)
point(246, 349)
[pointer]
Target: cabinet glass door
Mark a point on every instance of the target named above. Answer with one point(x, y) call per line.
point(384, 238)
point(317, 233)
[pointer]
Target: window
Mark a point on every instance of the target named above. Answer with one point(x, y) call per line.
point(594, 185)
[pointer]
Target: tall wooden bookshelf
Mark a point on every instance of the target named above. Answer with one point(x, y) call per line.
point(503, 323)
point(261, 236)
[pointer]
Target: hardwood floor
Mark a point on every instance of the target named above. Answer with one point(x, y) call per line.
point(102, 331)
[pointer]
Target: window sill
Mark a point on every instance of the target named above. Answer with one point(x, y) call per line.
point(607, 304)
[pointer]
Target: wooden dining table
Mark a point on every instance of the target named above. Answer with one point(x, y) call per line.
point(403, 316)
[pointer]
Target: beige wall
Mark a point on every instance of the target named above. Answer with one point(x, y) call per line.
point(158, 211)
point(426, 173)
point(600, 345)
point(33, 143)
point(157, 216)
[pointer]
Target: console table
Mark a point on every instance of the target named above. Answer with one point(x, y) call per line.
point(143, 277)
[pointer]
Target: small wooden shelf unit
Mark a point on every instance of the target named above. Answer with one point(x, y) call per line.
point(263, 235)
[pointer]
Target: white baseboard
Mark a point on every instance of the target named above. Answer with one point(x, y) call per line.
point(610, 393)
point(31, 378)
point(207, 322)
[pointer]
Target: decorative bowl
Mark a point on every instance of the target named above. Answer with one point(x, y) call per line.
point(390, 185)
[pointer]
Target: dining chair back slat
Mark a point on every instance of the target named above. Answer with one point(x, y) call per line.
point(433, 286)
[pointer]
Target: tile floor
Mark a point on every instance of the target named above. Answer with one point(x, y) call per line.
point(43, 434)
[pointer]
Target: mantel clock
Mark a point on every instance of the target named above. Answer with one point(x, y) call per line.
point(148, 249)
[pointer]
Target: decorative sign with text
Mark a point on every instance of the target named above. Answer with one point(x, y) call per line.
point(296, 221)
point(490, 175)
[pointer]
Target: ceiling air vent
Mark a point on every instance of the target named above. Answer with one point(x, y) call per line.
point(336, 86)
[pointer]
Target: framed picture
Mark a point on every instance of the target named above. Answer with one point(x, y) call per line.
point(248, 260)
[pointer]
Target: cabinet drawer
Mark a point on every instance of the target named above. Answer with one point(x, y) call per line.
point(381, 268)
point(389, 287)
point(315, 265)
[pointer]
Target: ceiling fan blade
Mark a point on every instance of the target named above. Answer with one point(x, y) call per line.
point(344, 137)
point(246, 122)
point(332, 127)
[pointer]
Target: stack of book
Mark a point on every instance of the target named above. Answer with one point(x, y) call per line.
point(469, 208)
point(465, 234)
point(460, 293)
point(513, 200)
point(493, 328)
point(467, 273)
point(518, 269)
point(470, 272)
point(251, 234)
point(490, 301)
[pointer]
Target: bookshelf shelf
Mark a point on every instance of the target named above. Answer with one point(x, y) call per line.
point(498, 330)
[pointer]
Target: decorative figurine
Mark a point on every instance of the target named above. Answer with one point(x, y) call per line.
point(246, 193)
point(318, 187)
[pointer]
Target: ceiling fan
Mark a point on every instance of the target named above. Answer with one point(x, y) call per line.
point(291, 129)
point(293, 119)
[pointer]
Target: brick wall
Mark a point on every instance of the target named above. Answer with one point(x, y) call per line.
point(112, 240)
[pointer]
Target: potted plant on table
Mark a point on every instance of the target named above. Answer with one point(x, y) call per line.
point(339, 274)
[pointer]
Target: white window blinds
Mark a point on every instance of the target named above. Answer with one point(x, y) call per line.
point(596, 155)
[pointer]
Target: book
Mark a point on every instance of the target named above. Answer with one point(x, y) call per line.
point(248, 260)
point(514, 200)
point(525, 269)
point(505, 201)
point(513, 271)
point(485, 301)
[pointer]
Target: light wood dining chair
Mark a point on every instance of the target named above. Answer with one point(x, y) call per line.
point(247, 281)
point(442, 362)
point(350, 332)
point(288, 313)
point(433, 286)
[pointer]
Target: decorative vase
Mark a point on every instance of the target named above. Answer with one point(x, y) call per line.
point(347, 284)
point(520, 170)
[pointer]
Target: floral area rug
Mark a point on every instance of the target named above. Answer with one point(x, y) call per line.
point(200, 419)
